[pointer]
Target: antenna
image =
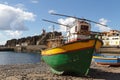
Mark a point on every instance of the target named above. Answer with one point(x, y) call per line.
point(53, 28)
point(63, 25)
point(79, 19)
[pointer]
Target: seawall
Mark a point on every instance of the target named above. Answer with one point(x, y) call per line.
point(109, 50)
point(30, 48)
point(6, 49)
point(38, 48)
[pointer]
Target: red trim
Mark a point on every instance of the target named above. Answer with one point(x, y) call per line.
point(111, 64)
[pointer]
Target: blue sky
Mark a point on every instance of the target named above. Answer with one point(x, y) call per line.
point(22, 18)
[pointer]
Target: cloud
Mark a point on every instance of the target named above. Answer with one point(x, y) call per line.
point(51, 11)
point(21, 6)
point(2, 39)
point(13, 34)
point(8, 34)
point(2, 42)
point(103, 28)
point(67, 21)
point(70, 21)
point(12, 18)
point(35, 1)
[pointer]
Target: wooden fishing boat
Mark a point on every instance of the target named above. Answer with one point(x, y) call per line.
point(74, 54)
point(107, 60)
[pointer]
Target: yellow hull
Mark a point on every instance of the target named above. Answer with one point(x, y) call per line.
point(78, 45)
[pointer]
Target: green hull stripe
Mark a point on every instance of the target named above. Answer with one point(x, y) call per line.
point(75, 62)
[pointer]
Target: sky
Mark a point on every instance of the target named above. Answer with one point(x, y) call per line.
point(23, 18)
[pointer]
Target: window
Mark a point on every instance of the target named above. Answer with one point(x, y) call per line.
point(75, 28)
point(107, 38)
point(84, 27)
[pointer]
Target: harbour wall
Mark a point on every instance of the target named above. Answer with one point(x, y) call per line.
point(30, 48)
point(109, 50)
point(38, 48)
point(6, 49)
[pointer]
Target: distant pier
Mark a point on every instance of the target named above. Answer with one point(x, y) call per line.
point(6, 49)
point(29, 48)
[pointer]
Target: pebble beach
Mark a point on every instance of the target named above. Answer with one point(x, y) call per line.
point(41, 71)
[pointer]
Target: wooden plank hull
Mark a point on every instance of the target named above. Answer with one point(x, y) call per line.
point(72, 58)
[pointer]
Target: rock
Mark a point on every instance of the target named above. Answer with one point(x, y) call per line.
point(34, 40)
point(41, 71)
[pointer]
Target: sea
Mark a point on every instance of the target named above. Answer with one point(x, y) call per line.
point(8, 57)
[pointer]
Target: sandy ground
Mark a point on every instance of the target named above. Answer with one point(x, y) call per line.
point(40, 71)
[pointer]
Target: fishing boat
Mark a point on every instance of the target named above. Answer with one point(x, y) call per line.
point(74, 53)
point(109, 60)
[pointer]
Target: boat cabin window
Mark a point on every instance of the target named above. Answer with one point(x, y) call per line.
point(117, 34)
point(84, 27)
point(75, 28)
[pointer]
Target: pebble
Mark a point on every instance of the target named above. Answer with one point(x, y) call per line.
point(41, 71)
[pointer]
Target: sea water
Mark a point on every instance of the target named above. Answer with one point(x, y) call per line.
point(18, 58)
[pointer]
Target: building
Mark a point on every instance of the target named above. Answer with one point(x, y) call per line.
point(111, 38)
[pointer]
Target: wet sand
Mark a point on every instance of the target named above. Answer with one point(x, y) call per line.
point(40, 71)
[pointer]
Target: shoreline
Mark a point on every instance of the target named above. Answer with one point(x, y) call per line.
point(40, 71)
point(29, 48)
point(38, 48)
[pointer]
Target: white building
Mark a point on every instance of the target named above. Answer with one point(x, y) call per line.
point(111, 38)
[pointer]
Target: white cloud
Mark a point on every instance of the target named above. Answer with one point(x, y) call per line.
point(21, 6)
point(51, 11)
point(13, 34)
point(12, 18)
point(3, 38)
point(103, 28)
point(2, 42)
point(35, 1)
point(67, 21)
point(1, 35)
point(51, 27)
point(8, 34)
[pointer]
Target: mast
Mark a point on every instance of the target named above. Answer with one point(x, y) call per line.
point(79, 18)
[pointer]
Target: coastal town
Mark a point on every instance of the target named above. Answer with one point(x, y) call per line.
point(41, 71)
point(79, 42)
point(59, 40)
point(111, 42)
point(111, 38)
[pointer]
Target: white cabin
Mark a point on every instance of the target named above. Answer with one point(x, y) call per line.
point(79, 31)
